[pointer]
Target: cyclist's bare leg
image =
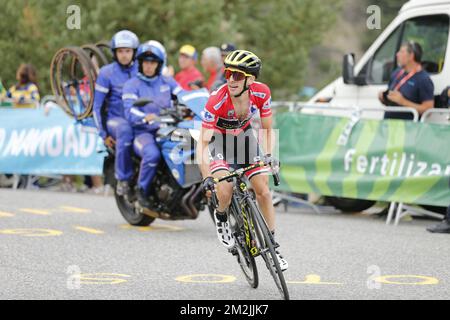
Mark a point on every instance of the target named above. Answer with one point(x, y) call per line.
point(260, 184)
point(224, 191)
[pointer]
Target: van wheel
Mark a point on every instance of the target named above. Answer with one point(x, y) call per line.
point(440, 210)
point(349, 205)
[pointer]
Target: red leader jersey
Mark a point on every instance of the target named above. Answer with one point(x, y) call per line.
point(219, 113)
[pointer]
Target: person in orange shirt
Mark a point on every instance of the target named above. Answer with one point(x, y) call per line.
point(189, 77)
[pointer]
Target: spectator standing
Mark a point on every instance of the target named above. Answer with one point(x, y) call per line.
point(225, 49)
point(213, 65)
point(189, 77)
point(25, 93)
point(410, 86)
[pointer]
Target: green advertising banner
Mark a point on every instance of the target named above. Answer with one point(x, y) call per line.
point(389, 160)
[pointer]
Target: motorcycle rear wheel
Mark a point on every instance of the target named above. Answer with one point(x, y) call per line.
point(129, 213)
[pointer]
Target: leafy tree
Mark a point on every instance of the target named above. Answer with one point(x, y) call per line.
point(389, 10)
point(33, 30)
point(280, 32)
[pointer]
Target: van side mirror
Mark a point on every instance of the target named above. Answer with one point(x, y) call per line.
point(348, 67)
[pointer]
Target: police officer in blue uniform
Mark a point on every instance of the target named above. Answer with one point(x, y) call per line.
point(108, 107)
point(148, 84)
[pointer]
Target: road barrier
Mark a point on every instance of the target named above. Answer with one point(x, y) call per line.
point(381, 160)
point(437, 116)
point(34, 142)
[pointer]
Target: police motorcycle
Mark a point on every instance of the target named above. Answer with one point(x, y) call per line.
point(176, 192)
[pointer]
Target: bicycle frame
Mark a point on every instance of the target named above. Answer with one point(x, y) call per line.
point(240, 196)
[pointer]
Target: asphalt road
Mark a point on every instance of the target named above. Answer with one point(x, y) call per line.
point(76, 246)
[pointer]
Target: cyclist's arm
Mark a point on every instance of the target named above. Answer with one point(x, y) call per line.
point(268, 135)
point(265, 113)
point(202, 152)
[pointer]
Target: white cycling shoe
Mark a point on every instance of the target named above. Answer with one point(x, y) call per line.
point(282, 261)
point(224, 233)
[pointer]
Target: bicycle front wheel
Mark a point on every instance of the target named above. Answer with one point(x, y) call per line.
point(267, 249)
point(245, 259)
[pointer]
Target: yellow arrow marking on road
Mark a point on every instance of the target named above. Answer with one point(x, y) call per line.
point(5, 214)
point(206, 278)
point(32, 232)
point(89, 230)
point(74, 209)
point(314, 279)
point(38, 212)
point(103, 278)
point(419, 280)
point(152, 228)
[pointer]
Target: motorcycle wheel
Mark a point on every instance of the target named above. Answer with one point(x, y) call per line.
point(129, 213)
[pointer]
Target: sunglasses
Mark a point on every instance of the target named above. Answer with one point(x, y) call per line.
point(237, 75)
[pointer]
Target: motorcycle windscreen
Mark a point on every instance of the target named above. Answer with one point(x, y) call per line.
point(195, 100)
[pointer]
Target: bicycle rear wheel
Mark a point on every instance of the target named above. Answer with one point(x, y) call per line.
point(96, 55)
point(72, 78)
point(267, 248)
point(105, 47)
point(245, 259)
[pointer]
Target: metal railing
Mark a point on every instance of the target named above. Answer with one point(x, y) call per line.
point(440, 116)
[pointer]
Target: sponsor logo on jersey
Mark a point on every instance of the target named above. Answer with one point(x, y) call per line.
point(266, 105)
point(261, 95)
point(207, 116)
point(229, 124)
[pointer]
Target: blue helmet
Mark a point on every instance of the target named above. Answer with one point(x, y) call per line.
point(160, 46)
point(147, 52)
point(124, 39)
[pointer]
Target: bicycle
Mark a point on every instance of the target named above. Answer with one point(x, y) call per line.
point(253, 237)
point(70, 70)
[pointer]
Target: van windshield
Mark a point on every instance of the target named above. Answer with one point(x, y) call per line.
point(431, 32)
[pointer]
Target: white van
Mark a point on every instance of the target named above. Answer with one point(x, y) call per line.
point(423, 21)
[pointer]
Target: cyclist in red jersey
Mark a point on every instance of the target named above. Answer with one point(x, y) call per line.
point(227, 139)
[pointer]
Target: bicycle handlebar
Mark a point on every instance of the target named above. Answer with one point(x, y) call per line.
point(242, 171)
